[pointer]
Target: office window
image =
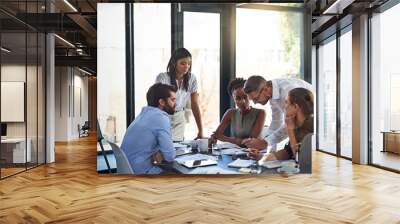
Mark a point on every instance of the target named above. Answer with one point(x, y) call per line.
point(346, 94)
point(111, 75)
point(268, 43)
point(152, 46)
point(327, 96)
point(205, 51)
point(385, 88)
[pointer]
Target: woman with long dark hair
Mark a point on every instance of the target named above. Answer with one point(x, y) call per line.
point(179, 75)
point(299, 121)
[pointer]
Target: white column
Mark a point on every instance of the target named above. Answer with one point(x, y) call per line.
point(360, 90)
point(50, 101)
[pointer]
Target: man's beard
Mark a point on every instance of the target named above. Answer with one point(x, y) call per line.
point(169, 110)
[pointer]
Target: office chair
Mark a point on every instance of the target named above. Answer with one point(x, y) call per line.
point(99, 140)
point(123, 165)
point(84, 130)
point(304, 154)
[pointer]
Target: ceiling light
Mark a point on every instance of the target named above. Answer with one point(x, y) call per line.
point(5, 50)
point(338, 6)
point(65, 41)
point(84, 71)
point(70, 5)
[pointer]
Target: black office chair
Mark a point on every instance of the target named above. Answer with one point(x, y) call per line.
point(84, 130)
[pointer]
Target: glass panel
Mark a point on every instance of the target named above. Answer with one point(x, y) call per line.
point(13, 86)
point(346, 94)
point(327, 97)
point(205, 50)
point(152, 46)
point(385, 84)
point(41, 98)
point(273, 51)
point(111, 96)
point(31, 98)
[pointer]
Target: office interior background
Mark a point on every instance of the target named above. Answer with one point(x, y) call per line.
point(50, 79)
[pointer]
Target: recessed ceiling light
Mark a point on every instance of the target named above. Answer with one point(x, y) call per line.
point(5, 50)
point(70, 5)
point(65, 41)
point(84, 71)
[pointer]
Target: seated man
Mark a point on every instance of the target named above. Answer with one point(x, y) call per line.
point(148, 137)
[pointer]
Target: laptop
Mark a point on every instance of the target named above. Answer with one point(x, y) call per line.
point(199, 163)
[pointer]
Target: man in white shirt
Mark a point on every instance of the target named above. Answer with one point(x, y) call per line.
point(275, 91)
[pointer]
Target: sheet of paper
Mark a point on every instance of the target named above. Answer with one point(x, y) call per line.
point(214, 170)
point(239, 163)
point(233, 151)
point(197, 156)
point(179, 145)
point(227, 145)
point(271, 164)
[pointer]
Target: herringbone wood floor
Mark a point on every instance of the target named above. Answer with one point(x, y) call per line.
point(70, 191)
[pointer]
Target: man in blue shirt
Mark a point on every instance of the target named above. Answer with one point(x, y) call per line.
point(148, 138)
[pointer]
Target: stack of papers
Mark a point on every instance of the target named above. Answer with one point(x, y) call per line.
point(240, 163)
point(197, 156)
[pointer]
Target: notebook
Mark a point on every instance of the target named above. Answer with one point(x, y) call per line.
point(199, 163)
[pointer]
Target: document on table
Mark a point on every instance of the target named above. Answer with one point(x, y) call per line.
point(227, 145)
point(270, 164)
point(179, 145)
point(233, 151)
point(240, 163)
point(214, 170)
point(197, 156)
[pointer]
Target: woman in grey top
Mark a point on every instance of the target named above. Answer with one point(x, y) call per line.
point(245, 121)
point(179, 75)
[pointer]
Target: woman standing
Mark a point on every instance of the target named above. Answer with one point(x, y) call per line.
point(179, 75)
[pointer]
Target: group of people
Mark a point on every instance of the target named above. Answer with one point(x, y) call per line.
point(149, 138)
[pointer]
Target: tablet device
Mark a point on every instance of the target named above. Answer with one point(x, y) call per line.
point(199, 163)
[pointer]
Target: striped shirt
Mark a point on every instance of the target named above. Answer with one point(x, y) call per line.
point(182, 95)
point(280, 89)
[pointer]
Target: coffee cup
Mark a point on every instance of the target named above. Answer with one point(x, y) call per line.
point(202, 145)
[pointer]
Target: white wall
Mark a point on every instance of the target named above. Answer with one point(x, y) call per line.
point(67, 116)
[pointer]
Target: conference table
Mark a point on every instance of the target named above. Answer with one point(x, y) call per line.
point(222, 166)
